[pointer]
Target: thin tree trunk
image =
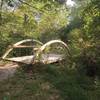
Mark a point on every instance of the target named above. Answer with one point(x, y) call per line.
point(1, 11)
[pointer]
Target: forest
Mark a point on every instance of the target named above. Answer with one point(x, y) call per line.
point(59, 27)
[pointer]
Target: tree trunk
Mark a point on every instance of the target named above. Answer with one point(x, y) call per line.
point(1, 11)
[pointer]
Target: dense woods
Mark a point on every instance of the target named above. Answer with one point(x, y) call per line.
point(76, 23)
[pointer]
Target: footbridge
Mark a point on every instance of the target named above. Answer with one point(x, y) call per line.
point(31, 51)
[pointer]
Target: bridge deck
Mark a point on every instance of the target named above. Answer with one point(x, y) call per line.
point(46, 58)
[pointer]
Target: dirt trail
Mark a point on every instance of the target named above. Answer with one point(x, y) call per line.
point(7, 70)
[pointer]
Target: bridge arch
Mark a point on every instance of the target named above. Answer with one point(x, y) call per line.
point(43, 47)
point(17, 45)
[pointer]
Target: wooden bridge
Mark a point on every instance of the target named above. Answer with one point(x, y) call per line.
point(39, 51)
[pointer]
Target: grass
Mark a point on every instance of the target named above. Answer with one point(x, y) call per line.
point(49, 82)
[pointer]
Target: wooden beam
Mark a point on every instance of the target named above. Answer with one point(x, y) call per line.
point(23, 46)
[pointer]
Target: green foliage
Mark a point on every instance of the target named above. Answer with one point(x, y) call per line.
point(85, 39)
point(46, 20)
point(49, 81)
point(30, 19)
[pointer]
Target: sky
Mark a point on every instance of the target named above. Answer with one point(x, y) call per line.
point(70, 3)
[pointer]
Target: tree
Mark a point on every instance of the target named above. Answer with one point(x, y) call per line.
point(29, 19)
point(90, 39)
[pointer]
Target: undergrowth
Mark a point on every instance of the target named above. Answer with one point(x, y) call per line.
point(49, 82)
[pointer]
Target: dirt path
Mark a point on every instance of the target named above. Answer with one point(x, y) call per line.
point(7, 70)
